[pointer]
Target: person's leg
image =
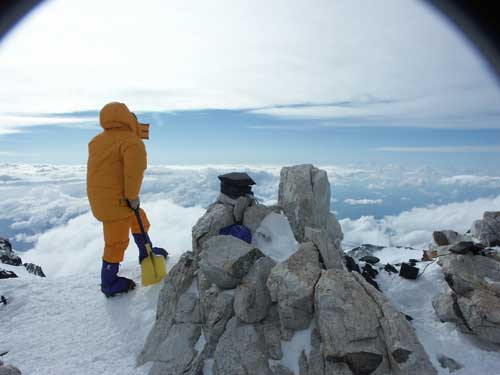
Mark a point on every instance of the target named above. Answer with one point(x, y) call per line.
point(116, 239)
point(140, 241)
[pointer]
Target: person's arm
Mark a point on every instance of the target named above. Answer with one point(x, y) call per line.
point(134, 165)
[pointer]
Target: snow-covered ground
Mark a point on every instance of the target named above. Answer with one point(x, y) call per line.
point(65, 325)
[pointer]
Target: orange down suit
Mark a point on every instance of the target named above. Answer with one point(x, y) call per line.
point(115, 169)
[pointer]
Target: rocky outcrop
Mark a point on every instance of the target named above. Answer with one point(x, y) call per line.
point(473, 300)
point(34, 269)
point(9, 370)
point(229, 306)
point(445, 237)
point(487, 230)
point(6, 274)
point(360, 328)
point(7, 255)
point(226, 259)
point(217, 216)
point(292, 284)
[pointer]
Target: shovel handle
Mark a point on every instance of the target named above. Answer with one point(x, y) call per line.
point(141, 226)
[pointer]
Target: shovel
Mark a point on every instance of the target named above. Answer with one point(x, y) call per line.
point(153, 267)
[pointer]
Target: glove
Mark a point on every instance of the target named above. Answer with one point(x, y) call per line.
point(134, 203)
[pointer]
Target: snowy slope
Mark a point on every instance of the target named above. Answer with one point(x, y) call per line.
point(64, 325)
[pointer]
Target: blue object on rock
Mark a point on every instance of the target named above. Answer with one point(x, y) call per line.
point(111, 283)
point(238, 231)
point(143, 253)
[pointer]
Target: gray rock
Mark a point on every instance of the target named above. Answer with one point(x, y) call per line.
point(34, 269)
point(226, 259)
point(179, 279)
point(329, 246)
point(359, 327)
point(481, 311)
point(176, 353)
point(240, 351)
point(304, 196)
point(270, 329)
point(9, 370)
point(7, 255)
point(216, 217)
point(466, 273)
point(364, 250)
point(292, 284)
point(464, 247)
point(449, 363)
point(254, 215)
point(487, 230)
point(370, 259)
point(188, 309)
point(217, 309)
point(446, 308)
point(281, 370)
point(252, 298)
point(445, 237)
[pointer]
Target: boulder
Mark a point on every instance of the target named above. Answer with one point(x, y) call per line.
point(446, 307)
point(9, 370)
point(226, 259)
point(176, 353)
point(329, 246)
point(217, 309)
point(487, 230)
point(240, 351)
point(270, 329)
point(304, 196)
point(360, 328)
point(252, 298)
point(481, 311)
point(445, 237)
point(466, 273)
point(292, 284)
point(281, 370)
point(254, 215)
point(34, 269)
point(7, 255)
point(175, 284)
point(364, 250)
point(370, 259)
point(5, 274)
point(217, 216)
point(449, 363)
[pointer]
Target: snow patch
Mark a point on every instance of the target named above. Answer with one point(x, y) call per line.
point(275, 238)
point(301, 341)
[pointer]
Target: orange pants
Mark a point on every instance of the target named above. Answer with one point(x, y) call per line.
point(116, 236)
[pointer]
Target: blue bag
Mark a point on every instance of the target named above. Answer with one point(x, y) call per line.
point(238, 231)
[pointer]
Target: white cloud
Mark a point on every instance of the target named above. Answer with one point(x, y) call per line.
point(364, 57)
point(472, 180)
point(442, 149)
point(362, 202)
point(415, 227)
point(10, 124)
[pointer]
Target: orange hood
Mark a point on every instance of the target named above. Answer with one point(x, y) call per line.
point(117, 115)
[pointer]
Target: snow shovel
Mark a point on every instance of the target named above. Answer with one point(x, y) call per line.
point(153, 267)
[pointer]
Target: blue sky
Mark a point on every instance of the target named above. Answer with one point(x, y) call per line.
point(264, 82)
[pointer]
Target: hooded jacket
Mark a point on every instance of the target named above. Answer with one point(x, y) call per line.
point(116, 164)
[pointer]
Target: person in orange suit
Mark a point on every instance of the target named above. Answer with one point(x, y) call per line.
point(115, 170)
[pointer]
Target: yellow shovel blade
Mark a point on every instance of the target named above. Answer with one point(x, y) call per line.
point(153, 269)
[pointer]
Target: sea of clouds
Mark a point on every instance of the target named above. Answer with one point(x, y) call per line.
point(44, 208)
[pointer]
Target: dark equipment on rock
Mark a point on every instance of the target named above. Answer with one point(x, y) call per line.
point(236, 184)
point(408, 271)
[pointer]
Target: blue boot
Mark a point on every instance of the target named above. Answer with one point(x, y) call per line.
point(111, 283)
point(143, 253)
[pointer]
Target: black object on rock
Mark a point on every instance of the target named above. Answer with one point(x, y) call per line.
point(408, 317)
point(34, 269)
point(4, 274)
point(390, 268)
point(413, 262)
point(370, 259)
point(351, 264)
point(408, 271)
point(236, 184)
point(3, 300)
point(465, 247)
point(370, 270)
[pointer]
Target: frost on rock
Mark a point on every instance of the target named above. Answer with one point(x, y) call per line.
point(274, 237)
